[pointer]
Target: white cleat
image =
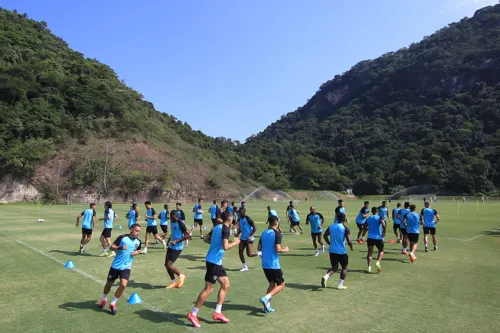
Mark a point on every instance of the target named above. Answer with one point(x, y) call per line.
point(244, 269)
point(145, 251)
point(317, 254)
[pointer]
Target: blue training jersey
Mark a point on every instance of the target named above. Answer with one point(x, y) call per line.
point(197, 216)
point(363, 211)
point(270, 257)
point(151, 212)
point(338, 233)
point(292, 213)
point(216, 251)
point(375, 229)
point(413, 223)
point(246, 226)
point(383, 212)
point(403, 213)
point(428, 216)
point(178, 229)
point(337, 211)
point(132, 218)
point(88, 216)
point(123, 260)
point(108, 223)
point(213, 211)
point(395, 213)
point(315, 220)
point(164, 217)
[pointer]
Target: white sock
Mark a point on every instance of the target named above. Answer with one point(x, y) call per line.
point(268, 297)
point(326, 276)
point(105, 250)
point(104, 297)
point(114, 300)
point(164, 243)
point(218, 308)
point(194, 311)
point(317, 250)
point(378, 262)
point(341, 283)
point(369, 267)
point(245, 265)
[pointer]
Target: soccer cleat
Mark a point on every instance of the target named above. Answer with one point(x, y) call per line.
point(370, 270)
point(112, 307)
point(412, 257)
point(182, 278)
point(398, 241)
point(359, 241)
point(165, 245)
point(265, 303)
point(342, 287)
point(426, 249)
point(259, 253)
point(317, 253)
point(102, 304)
point(323, 282)
point(322, 249)
point(379, 268)
point(192, 318)
point(244, 269)
point(145, 251)
point(202, 237)
point(404, 252)
point(112, 254)
point(220, 317)
point(269, 309)
point(172, 285)
point(435, 248)
point(104, 254)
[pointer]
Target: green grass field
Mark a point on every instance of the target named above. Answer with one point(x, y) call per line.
point(453, 289)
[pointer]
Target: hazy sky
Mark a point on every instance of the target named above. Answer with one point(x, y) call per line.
point(232, 67)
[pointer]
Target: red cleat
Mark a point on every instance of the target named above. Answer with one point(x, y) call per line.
point(112, 307)
point(220, 317)
point(102, 304)
point(192, 318)
point(404, 252)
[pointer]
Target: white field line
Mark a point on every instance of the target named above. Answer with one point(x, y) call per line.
point(464, 239)
point(102, 283)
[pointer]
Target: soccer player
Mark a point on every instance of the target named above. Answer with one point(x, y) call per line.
point(178, 235)
point(219, 243)
point(270, 246)
point(213, 212)
point(383, 211)
point(132, 215)
point(152, 227)
point(109, 217)
point(376, 228)
point(340, 209)
point(412, 222)
point(427, 215)
point(247, 228)
point(316, 220)
point(402, 227)
point(164, 221)
point(397, 222)
point(242, 205)
point(294, 217)
point(270, 213)
point(88, 225)
point(338, 254)
point(288, 208)
point(198, 217)
point(363, 214)
point(128, 246)
point(234, 226)
point(219, 211)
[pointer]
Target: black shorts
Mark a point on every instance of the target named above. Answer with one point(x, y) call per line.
point(198, 221)
point(429, 230)
point(115, 274)
point(396, 227)
point(214, 272)
point(295, 223)
point(214, 221)
point(316, 234)
point(336, 259)
point(107, 232)
point(86, 231)
point(403, 231)
point(376, 242)
point(360, 226)
point(164, 228)
point(274, 275)
point(172, 255)
point(246, 241)
point(152, 229)
point(413, 238)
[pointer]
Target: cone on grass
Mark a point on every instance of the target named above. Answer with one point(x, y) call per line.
point(134, 299)
point(69, 264)
point(391, 241)
point(119, 227)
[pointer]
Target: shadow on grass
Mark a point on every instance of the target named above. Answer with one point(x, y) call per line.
point(162, 317)
point(142, 285)
point(295, 255)
point(302, 286)
point(404, 261)
point(73, 253)
point(192, 258)
point(251, 310)
point(494, 233)
point(197, 267)
point(73, 306)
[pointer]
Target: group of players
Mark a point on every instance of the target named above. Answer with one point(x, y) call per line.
point(230, 220)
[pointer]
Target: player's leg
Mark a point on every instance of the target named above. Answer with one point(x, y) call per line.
point(320, 241)
point(395, 229)
point(250, 252)
point(276, 285)
point(426, 239)
point(300, 227)
point(193, 315)
point(380, 248)
point(369, 255)
point(158, 238)
point(434, 238)
point(224, 288)
point(200, 224)
point(360, 232)
point(334, 263)
point(108, 244)
point(344, 261)
point(113, 274)
point(241, 251)
point(315, 244)
point(124, 277)
point(146, 240)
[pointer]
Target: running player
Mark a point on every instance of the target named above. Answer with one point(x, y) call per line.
point(246, 227)
point(175, 246)
point(109, 218)
point(270, 213)
point(213, 212)
point(340, 209)
point(376, 228)
point(219, 243)
point(88, 225)
point(397, 222)
point(316, 220)
point(427, 215)
point(132, 215)
point(338, 254)
point(288, 208)
point(128, 246)
point(164, 221)
point(383, 212)
point(270, 246)
point(412, 223)
point(180, 213)
point(198, 217)
point(401, 215)
point(152, 227)
point(363, 214)
point(295, 220)
point(234, 226)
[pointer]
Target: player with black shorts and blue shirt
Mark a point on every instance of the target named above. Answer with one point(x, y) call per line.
point(340, 209)
point(271, 213)
point(376, 228)
point(397, 222)
point(198, 217)
point(163, 216)
point(132, 216)
point(427, 215)
point(218, 239)
point(213, 212)
point(402, 227)
point(383, 211)
point(270, 246)
point(316, 220)
point(340, 234)
point(152, 226)
point(88, 225)
point(127, 246)
point(294, 218)
point(363, 214)
point(412, 223)
point(246, 228)
point(109, 217)
point(178, 235)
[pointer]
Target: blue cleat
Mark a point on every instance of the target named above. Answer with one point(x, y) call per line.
point(264, 302)
point(269, 309)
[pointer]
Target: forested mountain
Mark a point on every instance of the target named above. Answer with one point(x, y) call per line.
point(426, 114)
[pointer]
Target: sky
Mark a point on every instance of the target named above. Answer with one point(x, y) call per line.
point(230, 68)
